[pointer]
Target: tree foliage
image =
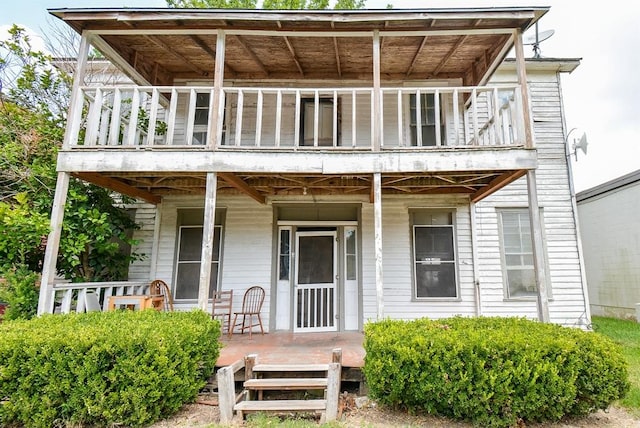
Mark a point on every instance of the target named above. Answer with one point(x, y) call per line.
point(267, 4)
point(33, 105)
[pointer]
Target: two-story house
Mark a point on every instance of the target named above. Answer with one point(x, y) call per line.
point(358, 165)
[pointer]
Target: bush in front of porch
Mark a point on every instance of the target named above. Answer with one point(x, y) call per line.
point(492, 371)
point(119, 368)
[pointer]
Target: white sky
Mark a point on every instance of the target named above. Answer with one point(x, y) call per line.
point(600, 96)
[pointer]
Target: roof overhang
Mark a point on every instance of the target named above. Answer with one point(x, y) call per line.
point(159, 46)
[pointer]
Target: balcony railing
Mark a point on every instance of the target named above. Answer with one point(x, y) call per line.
point(297, 118)
point(70, 297)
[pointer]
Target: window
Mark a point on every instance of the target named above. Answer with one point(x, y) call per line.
point(201, 119)
point(428, 120)
point(434, 258)
point(187, 270)
point(284, 256)
point(517, 253)
point(325, 122)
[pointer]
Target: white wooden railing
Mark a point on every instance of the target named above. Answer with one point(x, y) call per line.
point(70, 297)
point(297, 118)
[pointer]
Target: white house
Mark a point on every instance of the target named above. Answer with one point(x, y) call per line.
point(358, 165)
point(611, 243)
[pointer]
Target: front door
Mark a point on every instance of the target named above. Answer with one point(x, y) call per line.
point(315, 285)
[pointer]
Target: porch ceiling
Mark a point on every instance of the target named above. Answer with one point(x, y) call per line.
point(152, 186)
point(157, 46)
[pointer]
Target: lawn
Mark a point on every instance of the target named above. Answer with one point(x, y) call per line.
point(627, 334)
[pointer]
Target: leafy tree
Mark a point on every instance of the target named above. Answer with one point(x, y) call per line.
point(33, 106)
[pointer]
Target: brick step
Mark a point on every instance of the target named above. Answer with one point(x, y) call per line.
point(285, 384)
point(281, 406)
point(291, 368)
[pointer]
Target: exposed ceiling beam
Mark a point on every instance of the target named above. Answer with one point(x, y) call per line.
point(118, 186)
point(212, 53)
point(241, 185)
point(292, 51)
point(252, 54)
point(415, 57)
point(449, 54)
point(155, 40)
point(497, 183)
point(337, 53)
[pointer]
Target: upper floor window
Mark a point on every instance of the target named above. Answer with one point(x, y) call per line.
point(325, 122)
point(426, 107)
point(434, 255)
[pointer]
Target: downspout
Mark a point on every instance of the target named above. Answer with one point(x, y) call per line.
point(574, 210)
point(474, 259)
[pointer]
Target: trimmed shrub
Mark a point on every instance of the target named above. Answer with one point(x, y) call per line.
point(19, 291)
point(104, 368)
point(492, 371)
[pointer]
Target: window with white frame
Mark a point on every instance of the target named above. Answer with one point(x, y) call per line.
point(425, 105)
point(189, 253)
point(517, 253)
point(434, 254)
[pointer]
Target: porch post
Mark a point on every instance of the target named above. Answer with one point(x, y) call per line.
point(45, 301)
point(217, 102)
point(377, 110)
point(75, 105)
point(538, 249)
point(155, 248)
point(208, 231)
point(377, 216)
point(524, 90)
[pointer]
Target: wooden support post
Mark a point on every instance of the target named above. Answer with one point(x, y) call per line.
point(538, 248)
point(333, 391)
point(377, 214)
point(377, 94)
point(336, 356)
point(75, 107)
point(215, 125)
point(250, 362)
point(524, 90)
point(45, 302)
point(207, 240)
point(226, 394)
point(155, 247)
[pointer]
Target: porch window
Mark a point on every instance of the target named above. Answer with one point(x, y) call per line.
point(428, 119)
point(517, 253)
point(434, 258)
point(201, 119)
point(325, 122)
point(189, 252)
point(284, 255)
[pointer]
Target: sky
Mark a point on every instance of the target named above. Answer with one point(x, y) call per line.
point(600, 96)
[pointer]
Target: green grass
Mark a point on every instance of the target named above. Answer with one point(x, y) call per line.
point(627, 334)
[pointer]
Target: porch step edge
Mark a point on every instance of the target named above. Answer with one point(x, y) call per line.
point(291, 368)
point(286, 384)
point(281, 405)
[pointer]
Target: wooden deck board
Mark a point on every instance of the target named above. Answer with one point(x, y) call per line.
point(281, 405)
point(286, 384)
point(291, 368)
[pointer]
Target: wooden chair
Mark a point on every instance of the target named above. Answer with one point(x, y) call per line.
point(222, 307)
point(160, 288)
point(251, 305)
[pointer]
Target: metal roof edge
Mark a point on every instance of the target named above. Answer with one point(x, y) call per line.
point(609, 186)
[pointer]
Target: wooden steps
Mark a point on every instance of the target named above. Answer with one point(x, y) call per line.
point(281, 380)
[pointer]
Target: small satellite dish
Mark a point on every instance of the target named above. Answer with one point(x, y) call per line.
point(536, 38)
point(582, 145)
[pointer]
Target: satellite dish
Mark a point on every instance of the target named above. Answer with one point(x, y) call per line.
point(536, 38)
point(582, 145)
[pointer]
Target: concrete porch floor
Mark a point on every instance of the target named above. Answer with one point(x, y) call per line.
point(293, 348)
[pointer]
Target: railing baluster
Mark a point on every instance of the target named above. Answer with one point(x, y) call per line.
point(436, 101)
point(418, 119)
point(259, 118)
point(296, 126)
point(278, 116)
point(353, 118)
point(400, 106)
point(372, 119)
point(93, 119)
point(114, 127)
point(456, 117)
point(239, 113)
point(316, 117)
point(211, 139)
point(171, 117)
point(104, 126)
point(153, 116)
point(335, 118)
point(133, 117)
point(474, 104)
point(191, 116)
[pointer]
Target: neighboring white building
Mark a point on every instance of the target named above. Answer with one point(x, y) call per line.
point(356, 164)
point(610, 231)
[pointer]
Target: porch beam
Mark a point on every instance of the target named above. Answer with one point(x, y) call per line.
point(521, 70)
point(337, 52)
point(45, 300)
point(217, 101)
point(162, 45)
point(241, 185)
point(118, 186)
point(250, 52)
point(497, 184)
point(377, 94)
point(449, 54)
point(228, 71)
point(292, 51)
point(417, 54)
point(377, 217)
point(538, 248)
point(208, 233)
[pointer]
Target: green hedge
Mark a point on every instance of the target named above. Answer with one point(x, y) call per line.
point(104, 368)
point(492, 371)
